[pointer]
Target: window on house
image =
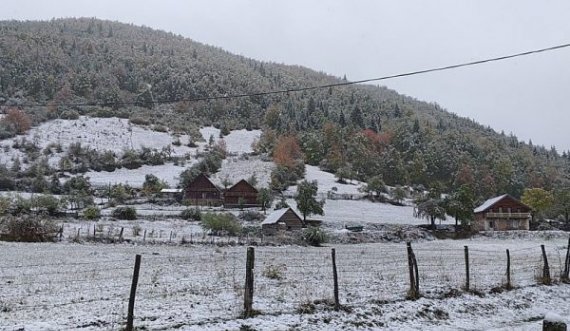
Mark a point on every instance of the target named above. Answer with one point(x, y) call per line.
point(514, 225)
point(491, 224)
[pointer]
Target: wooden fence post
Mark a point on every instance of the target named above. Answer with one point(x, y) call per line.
point(509, 285)
point(131, 312)
point(566, 273)
point(61, 233)
point(467, 268)
point(546, 269)
point(412, 293)
point(121, 234)
point(417, 275)
point(335, 280)
point(170, 239)
point(248, 291)
point(144, 235)
point(94, 231)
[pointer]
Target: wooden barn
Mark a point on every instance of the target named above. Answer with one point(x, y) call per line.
point(201, 191)
point(282, 220)
point(242, 194)
point(502, 213)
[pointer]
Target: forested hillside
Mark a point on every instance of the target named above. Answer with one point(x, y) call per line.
point(67, 67)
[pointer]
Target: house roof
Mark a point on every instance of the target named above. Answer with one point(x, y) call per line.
point(491, 202)
point(275, 216)
point(171, 190)
point(242, 184)
point(201, 184)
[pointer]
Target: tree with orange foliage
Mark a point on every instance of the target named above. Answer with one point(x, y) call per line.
point(17, 121)
point(287, 152)
point(288, 157)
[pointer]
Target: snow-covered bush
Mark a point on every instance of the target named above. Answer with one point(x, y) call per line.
point(191, 214)
point(314, 236)
point(92, 213)
point(28, 228)
point(220, 224)
point(125, 213)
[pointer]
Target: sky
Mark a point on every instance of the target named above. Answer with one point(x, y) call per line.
point(373, 38)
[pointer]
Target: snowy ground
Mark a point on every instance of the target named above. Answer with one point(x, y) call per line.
point(361, 212)
point(237, 142)
point(113, 134)
point(117, 135)
point(328, 183)
point(66, 286)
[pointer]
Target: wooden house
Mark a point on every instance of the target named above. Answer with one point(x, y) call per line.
point(201, 191)
point(502, 213)
point(242, 194)
point(282, 220)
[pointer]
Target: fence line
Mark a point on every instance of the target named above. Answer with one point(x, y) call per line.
point(281, 280)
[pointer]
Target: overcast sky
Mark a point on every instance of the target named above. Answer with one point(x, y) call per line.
point(372, 38)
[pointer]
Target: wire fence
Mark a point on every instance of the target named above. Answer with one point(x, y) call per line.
point(199, 287)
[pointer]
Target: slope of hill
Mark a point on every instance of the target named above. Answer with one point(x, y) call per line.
point(70, 67)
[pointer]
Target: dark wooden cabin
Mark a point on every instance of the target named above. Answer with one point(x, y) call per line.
point(282, 220)
point(201, 191)
point(502, 213)
point(242, 194)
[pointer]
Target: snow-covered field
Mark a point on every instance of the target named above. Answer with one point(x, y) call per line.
point(352, 212)
point(327, 183)
point(113, 134)
point(66, 286)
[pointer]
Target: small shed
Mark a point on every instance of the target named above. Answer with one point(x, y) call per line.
point(172, 194)
point(201, 191)
point(242, 194)
point(502, 213)
point(282, 220)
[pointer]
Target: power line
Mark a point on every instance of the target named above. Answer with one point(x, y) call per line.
point(317, 87)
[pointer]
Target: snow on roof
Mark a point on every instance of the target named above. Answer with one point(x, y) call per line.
point(488, 203)
point(275, 216)
point(171, 190)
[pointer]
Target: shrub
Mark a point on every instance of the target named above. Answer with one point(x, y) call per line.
point(137, 230)
point(28, 229)
point(191, 214)
point(125, 213)
point(131, 160)
point(220, 224)
point(92, 213)
point(47, 203)
point(17, 120)
point(274, 271)
point(250, 216)
point(314, 236)
point(138, 120)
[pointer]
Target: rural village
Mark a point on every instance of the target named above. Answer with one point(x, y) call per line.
point(344, 208)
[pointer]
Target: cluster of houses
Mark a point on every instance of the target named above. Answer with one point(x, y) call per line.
point(202, 192)
point(500, 213)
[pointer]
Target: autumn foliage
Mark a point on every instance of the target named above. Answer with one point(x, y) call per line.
point(287, 152)
point(17, 120)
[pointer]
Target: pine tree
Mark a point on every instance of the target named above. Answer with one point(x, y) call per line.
point(306, 199)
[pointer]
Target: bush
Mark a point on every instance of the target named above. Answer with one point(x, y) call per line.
point(275, 271)
point(125, 213)
point(47, 203)
point(314, 236)
point(191, 214)
point(220, 224)
point(251, 216)
point(92, 213)
point(28, 229)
